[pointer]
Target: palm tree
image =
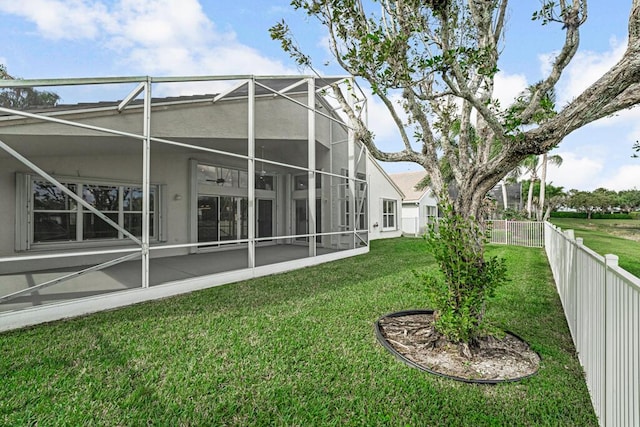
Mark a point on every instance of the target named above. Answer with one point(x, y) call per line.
point(532, 163)
point(554, 160)
point(555, 197)
point(530, 166)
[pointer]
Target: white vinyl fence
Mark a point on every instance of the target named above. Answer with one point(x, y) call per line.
point(601, 302)
point(517, 233)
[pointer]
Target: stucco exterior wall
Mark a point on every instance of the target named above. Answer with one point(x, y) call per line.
point(381, 187)
point(414, 214)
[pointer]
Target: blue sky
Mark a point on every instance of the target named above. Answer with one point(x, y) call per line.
point(95, 38)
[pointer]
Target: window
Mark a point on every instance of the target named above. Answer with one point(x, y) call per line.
point(388, 214)
point(234, 178)
point(223, 177)
point(265, 182)
point(430, 211)
point(54, 217)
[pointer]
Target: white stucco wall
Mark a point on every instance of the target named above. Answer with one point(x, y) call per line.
point(381, 187)
point(414, 214)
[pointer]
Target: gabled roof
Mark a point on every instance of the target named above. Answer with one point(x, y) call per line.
point(407, 182)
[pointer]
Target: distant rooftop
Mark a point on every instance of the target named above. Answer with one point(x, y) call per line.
point(407, 182)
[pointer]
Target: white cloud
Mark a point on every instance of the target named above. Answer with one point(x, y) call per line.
point(382, 125)
point(508, 87)
point(163, 37)
point(585, 68)
point(625, 177)
point(72, 19)
point(576, 171)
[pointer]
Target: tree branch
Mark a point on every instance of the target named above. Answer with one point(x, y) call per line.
point(366, 137)
point(572, 19)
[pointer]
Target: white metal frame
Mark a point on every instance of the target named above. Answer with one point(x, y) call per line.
point(144, 86)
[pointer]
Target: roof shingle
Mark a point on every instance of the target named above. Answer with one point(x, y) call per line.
point(407, 182)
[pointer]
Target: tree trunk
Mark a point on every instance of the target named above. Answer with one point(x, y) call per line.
point(543, 184)
point(504, 195)
point(530, 197)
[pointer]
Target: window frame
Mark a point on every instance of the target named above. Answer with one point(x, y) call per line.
point(430, 211)
point(26, 212)
point(386, 215)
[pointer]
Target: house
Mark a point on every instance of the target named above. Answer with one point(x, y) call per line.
point(419, 206)
point(113, 203)
point(386, 206)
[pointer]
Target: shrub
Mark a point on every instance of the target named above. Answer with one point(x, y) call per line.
point(595, 215)
point(514, 215)
point(568, 215)
point(460, 289)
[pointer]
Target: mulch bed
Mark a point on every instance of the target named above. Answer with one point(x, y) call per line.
point(411, 336)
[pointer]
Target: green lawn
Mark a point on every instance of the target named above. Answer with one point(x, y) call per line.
point(608, 236)
point(292, 349)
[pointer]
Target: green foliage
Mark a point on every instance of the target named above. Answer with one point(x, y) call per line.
point(546, 14)
point(584, 215)
point(514, 215)
point(629, 199)
point(20, 98)
point(460, 290)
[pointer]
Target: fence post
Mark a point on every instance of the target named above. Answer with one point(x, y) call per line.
point(610, 260)
point(574, 287)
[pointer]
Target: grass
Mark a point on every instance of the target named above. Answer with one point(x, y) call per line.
point(291, 349)
point(608, 236)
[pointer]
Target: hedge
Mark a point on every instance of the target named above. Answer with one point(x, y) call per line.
point(595, 215)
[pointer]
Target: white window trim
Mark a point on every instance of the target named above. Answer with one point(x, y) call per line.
point(25, 213)
point(385, 215)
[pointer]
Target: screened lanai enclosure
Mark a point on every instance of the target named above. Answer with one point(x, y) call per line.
point(177, 184)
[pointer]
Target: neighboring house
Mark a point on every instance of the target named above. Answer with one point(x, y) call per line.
point(419, 207)
point(111, 203)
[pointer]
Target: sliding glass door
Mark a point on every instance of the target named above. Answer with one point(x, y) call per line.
point(222, 218)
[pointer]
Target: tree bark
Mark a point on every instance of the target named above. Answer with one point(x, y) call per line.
point(543, 184)
point(530, 196)
point(504, 195)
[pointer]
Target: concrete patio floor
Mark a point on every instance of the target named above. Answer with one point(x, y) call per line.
point(127, 275)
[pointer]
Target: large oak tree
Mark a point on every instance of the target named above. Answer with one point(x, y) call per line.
point(441, 58)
